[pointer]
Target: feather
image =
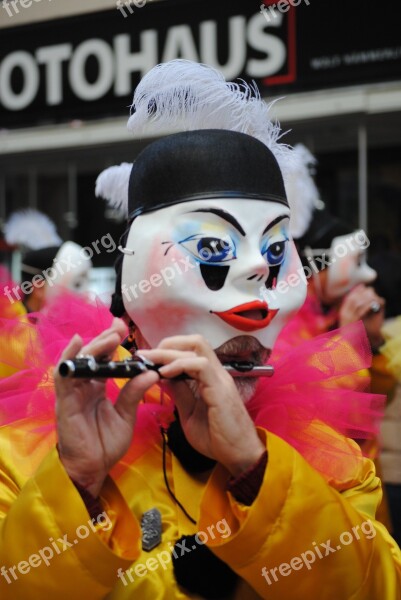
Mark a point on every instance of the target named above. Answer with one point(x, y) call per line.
point(302, 193)
point(182, 95)
point(112, 186)
point(31, 229)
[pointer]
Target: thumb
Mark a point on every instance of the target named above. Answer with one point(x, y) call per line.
point(132, 393)
point(184, 399)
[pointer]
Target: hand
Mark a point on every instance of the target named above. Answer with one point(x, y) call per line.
point(357, 305)
point(93, 434)
point(216, 423)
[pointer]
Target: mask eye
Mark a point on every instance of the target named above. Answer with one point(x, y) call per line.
point(275, 253)
point(210, 250)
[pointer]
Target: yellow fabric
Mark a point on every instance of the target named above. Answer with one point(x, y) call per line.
point(10, 310)
point(382, 380)
point(14, 338)
point(392, 348)
point(296, 509)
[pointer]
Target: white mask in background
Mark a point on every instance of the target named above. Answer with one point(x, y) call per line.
point(206, 267)
point(348, 265)
point(70, 270)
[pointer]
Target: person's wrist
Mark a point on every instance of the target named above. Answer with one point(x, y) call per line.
point(88, 479)
point(91, 484)
point(245, 488)
point(93, 503)
point(250, 457)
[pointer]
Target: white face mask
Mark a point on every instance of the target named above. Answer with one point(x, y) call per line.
point(70, 270)
point(202, 267)
point(348, 265)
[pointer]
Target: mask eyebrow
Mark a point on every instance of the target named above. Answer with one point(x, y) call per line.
point(223, 215)
point(273, 223)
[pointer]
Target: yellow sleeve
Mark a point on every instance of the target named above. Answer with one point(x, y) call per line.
point(50, 547)
point(302, 538)
point(383, 380)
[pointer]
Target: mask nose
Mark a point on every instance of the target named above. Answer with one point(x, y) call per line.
point(252, 270)
point(366, 273)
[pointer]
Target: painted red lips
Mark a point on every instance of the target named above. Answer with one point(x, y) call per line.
point(249, 316)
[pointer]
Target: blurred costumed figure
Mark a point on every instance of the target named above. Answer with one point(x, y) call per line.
point(388, 284)
point(49, 268)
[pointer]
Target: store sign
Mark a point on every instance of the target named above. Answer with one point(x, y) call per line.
point(105, 64)
point(116, 62)
point(88, 66)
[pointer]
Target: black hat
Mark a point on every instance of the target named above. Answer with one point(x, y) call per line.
point(35, 262)
point(322, 230)
point(200, 165)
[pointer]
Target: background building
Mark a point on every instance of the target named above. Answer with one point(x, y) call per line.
point(68, 71)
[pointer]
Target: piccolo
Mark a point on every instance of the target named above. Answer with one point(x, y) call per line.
point(87, 367)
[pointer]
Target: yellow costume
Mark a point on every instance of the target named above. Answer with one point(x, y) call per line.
point(12, 338)
point(277, 545)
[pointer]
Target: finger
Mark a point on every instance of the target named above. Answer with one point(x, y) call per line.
point(118, 326)
point(356, 290)
point(161, 356)
point(198, 368)
point(370, 307)
point(192, 343)
point(73, 348)
point(132, 393)
point(69, 352)
point(184, 399)
point(103, 347)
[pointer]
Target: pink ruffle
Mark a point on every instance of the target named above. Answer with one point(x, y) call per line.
point(320, 388)
point(307, 323)
point(317, 392)
point(33, 344)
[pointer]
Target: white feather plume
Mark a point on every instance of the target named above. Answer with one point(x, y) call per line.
point(31, 229)
point(302, 193)
point(183, 95)
point(112, 186)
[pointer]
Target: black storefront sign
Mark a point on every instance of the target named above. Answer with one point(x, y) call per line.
point(87, 67)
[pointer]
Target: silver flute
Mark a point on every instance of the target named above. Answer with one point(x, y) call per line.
point(87, 367)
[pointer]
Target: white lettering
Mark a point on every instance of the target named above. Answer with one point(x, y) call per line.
point(95, 67)
point(128, 63)
point(180, 44)
point(30, 74)
point(52, 57)
point(237, 46)
point(78, 81)
point(272, 46)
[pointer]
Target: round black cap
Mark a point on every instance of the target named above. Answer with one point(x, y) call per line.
point(34, 262)
point(202, 165)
